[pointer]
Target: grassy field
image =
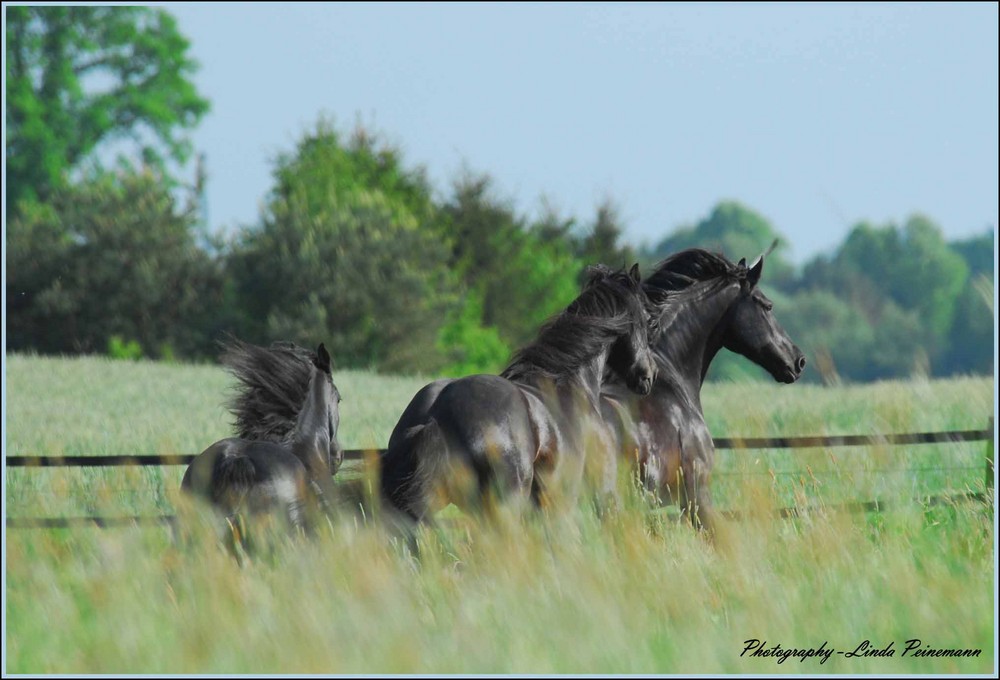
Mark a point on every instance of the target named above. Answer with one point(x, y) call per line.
point(636, 593)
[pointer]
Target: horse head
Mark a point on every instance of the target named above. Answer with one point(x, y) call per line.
point(605, 328)
point(631, 356)
point(329, 401)
point(753, 331)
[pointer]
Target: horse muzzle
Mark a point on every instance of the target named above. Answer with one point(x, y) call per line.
point(641, 382)
point(793, 371)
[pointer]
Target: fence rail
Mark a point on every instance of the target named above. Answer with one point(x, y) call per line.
point(740, 443)
point(720, 443)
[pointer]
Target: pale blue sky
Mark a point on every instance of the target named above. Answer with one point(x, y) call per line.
point(817, 116)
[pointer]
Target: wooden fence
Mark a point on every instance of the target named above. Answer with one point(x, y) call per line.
point(742, 443)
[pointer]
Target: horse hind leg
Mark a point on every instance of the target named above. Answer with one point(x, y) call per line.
point(295, 512)
point(236, 538)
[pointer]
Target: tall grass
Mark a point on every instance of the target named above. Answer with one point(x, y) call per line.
point(568, 593)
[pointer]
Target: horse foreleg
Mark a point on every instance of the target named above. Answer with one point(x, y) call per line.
point(695, 492)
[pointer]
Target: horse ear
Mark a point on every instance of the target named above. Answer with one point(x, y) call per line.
point(634, 273)
point(323, 360)
point(753, 276)
point(742, 264)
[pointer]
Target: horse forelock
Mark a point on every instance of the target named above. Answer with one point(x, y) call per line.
point(271, 387)
point(609, 304)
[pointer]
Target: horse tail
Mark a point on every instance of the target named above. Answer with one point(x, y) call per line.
point(411, 468)
point(232, 478)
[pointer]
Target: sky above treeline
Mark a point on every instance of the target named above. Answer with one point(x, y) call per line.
point(815, 115)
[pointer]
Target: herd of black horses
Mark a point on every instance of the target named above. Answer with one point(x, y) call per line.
point(614, 379)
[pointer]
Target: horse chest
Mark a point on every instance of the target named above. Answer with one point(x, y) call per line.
point(669, 438)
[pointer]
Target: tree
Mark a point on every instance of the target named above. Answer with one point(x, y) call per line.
point(467, 345)
point(340, 256)
point(911, 267)
point(80, 76)
point(364, 162)
point(737, 232)
point(977, 252)
point(601, 244)
point(970, 341)
point(520, 277)
point(551, 226)
point(111, 256)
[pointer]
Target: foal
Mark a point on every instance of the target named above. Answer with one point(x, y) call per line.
point(287, 452)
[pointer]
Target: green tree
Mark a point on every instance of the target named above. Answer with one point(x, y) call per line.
point(467, 345)
point(80, 76)
point(737, 232)
point(970, 341)
point(520, 277)
point(602, 242)
point(551, 226)
point(112, 255)
point(341, 256)
point(363, 162)
point(911, 267)
point(977, 252)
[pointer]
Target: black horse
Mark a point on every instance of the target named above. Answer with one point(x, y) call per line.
point(286, 452)
point(706, 303)
point(534, 428)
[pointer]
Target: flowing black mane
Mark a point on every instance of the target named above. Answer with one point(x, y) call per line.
point(682, 270)
point(272, 387)
point(609, 303)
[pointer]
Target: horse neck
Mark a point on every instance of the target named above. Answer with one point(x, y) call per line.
point(312, 430)
point(588, 377)
point(570, 357)
point(691, 335)
point(585, 381)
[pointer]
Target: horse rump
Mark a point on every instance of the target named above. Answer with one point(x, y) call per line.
point(232, 478)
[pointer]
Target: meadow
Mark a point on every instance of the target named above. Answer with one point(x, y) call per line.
point(636, 592)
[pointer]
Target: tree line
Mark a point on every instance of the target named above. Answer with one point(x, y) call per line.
point(355, 248)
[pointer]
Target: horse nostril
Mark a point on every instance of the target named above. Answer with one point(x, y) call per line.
point(800, 364)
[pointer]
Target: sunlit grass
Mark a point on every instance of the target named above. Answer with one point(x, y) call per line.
point(633, 593)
